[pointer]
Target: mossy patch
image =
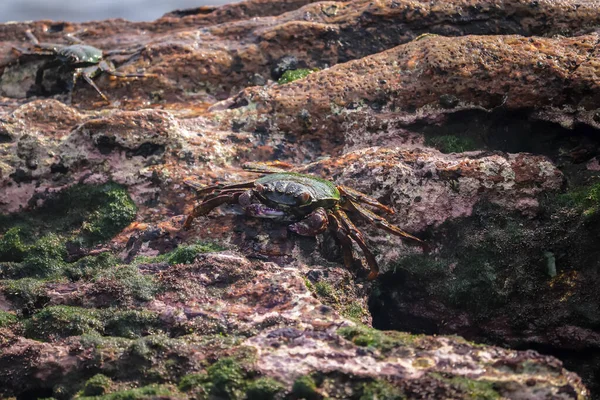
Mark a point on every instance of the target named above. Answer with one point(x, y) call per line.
point(89, 267)
point(472, 388)
point(132, 323)
point(292, 75)
point(384, 341)
point(483, 262)
point(44, 258)
point(91, 213)
point(451, 143)
point(25, 294)
point(585, 199)
point(184, 254)
point(264, 389)
point(62, 321)
point(7, 320)
point(145, 392)
point(341, 297)
point(126, 283)
point(231, 378)
point(305, 387)
point(12, 247)
point(381, 390)
point(97, 385)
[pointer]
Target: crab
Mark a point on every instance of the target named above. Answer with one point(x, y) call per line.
point(312, 204)
point(84, 61)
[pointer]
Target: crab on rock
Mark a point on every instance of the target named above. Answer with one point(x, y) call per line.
point(80, 59)
point(314, 204)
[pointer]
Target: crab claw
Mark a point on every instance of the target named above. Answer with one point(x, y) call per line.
point(261, 211)
point(314, 223)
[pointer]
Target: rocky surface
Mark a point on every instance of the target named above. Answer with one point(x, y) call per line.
point(475, 120)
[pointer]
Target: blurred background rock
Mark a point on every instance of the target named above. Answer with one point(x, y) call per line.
point(84, 10)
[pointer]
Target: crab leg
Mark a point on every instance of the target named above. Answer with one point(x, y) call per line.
point(313, 224)
point(358, 237)
point(31, 37)
point(26, 52)
point(105, 67)
point(207, 206)
point(380, 222)
point(201, 189)
point(86, 76)
point(270, 167)
point(341, 234)
point(357, 196)
point(39, 75)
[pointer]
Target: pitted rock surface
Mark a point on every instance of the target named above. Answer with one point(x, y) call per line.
point(475, 120)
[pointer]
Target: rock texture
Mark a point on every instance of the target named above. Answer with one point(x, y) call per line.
point(477, 121)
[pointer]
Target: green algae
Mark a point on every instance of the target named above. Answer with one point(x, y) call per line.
point(97, 385)
point(471, 388)
point(294, 74)
point(88, 267)
point(325, 290)
point(226, 378)
point(184, 254)
point(146, 392)
point(132, 323)
point(62, 321)
point(110, 218)
point(338, 299)
point(380, 390)
point(45, 258)
point(305, 387)
point(355, 312)
point(12, 247)
point(7, 320)
point(24, 294)
point(451, 143)
point(384, 341)
point(126, 282)
point(231, 378)
point(90, 213)
point(264, 389)
point(585, 199)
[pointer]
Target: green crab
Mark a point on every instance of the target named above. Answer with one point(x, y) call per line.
point(312, 204)
point(83, 60)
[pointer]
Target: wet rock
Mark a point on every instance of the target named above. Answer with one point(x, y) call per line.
point(476, 121)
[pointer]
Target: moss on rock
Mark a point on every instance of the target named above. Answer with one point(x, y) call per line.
point(145, 392)
point(7, 320)
point(384, 341)
point(89, 267)
point(63, 321)
point(97, 385)
point(132, 323)
point(305, 387)
point(292, 75)
point(264, 389)
point(25, 294)
point(126, 283)
point(45, 258)
point(93, 213)
point(585, 199)
point(12, 247)
point(451, 143)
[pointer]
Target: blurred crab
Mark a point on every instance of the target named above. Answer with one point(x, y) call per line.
point(314, 204)
point(83, 60)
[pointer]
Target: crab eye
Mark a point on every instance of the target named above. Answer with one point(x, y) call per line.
point(304, 198)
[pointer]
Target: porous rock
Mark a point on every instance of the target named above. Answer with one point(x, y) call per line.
point(475, 120)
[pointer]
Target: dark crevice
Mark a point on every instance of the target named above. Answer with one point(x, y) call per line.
point(514, 131)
